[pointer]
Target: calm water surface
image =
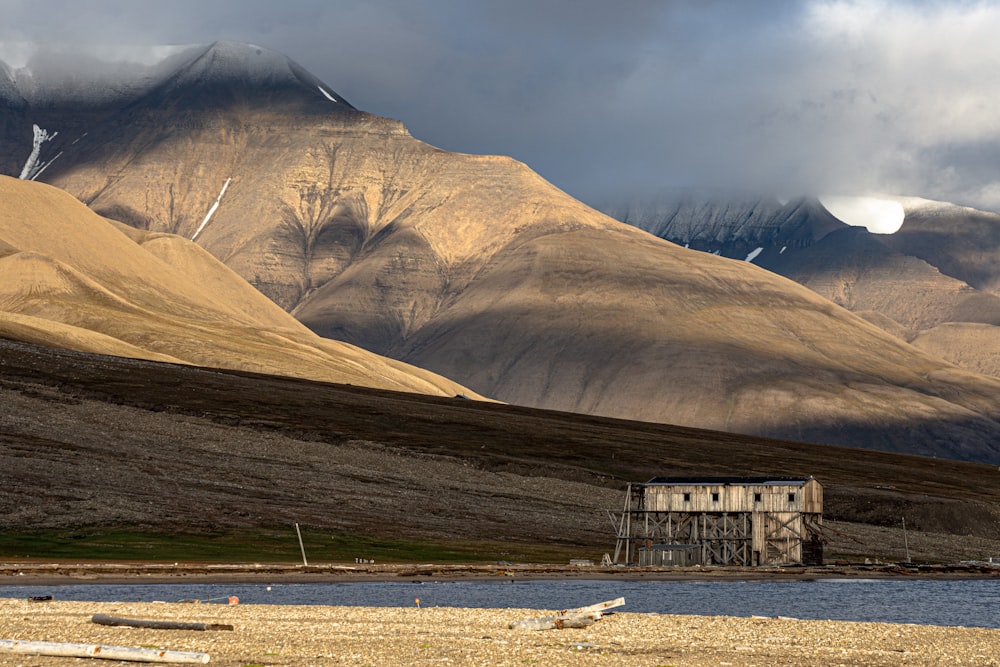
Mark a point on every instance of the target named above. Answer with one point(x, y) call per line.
point(973, 603)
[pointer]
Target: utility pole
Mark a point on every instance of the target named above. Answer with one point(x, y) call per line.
point(303, 548)
point(906, 545)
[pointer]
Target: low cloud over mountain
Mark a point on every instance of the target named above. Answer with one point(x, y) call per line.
point(476, 268)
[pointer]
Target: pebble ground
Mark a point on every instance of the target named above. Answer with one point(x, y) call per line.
point(314, 635)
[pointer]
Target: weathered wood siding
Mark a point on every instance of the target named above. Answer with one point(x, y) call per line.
point(736, 521)
point(806, 497)
point(812, 497)
point(777, 537)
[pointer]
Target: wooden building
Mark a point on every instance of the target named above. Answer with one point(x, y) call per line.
point(721, 521)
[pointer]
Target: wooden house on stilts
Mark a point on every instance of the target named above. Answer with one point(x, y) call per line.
point(742, 521)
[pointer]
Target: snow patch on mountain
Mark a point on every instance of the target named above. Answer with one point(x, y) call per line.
point(328, 95)
point(211, 211)
point(45, 165)
point(33, 166)
point(753, 254)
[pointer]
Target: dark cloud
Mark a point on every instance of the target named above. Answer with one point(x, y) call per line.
point(605, 98)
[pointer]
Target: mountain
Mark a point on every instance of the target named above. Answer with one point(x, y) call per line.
point(737, 225)
point(933, 282)
point(71, 279)
point(476, 268)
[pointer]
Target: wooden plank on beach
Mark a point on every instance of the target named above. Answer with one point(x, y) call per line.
point(599, 607)
point(552, 623)
point(69, 650)
point(104, 619)
point(569, 618)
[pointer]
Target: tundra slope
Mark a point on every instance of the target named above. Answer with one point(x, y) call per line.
point(71, 279)
point(476, 268)
point(93, 442)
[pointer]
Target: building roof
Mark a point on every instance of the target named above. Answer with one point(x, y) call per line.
point(729, 481)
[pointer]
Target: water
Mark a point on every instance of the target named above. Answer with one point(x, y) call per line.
point(971, 603)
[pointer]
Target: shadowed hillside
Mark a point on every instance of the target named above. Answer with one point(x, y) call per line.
point(92, 443)
point(933, 282)
point(71, 279)
point(476, 268)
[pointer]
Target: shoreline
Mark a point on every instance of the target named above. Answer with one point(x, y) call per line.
point(39, 573)
point(318, 635)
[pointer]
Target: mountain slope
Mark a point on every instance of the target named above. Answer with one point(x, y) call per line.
point(736, 225)
point(366, 464)
point(71, 279)
point(938, 269)
point(961, 242)
point(475, 267)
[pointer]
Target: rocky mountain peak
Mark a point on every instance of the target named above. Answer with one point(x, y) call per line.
point(228, 65)
point(728, 225)
point(93, 76)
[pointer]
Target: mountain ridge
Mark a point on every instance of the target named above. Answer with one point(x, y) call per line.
point(75, 280)
point(753, 221)
point(53, 76)
point(478, 269)
point(936, 270)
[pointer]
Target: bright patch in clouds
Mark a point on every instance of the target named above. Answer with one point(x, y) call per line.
point(907, 94)
point(880, 216)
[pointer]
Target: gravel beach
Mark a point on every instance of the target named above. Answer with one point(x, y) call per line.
point(312, 635)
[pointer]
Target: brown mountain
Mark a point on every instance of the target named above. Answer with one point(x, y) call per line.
point(477, 268)
point(71, 279)
point(962, 243)
point(933, 282)
point(903, 293)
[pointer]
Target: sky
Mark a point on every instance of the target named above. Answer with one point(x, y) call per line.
point(619, 100)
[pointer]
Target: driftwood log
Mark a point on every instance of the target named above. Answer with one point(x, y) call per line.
point(552, 623)
point(103, 619)
point(569, 618)
point(68, 650)
point(598, 608)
